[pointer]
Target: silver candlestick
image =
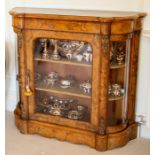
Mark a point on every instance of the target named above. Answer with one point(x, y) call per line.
point(45, 51)
point(55, 55)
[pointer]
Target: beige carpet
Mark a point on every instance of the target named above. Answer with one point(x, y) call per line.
point(19, 144)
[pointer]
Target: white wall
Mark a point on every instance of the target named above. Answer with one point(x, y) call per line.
point(143, 86)
point(124, 5)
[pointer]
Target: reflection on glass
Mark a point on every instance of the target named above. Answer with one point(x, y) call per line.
point(118, 86)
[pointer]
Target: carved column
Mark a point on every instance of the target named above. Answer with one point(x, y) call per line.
point(102, 127)
point(101, 137)
point(104, 80)
point(21, 73)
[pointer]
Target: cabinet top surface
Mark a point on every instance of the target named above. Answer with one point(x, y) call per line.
point(92, 15)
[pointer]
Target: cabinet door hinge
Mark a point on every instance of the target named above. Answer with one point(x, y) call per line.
point(18, 78)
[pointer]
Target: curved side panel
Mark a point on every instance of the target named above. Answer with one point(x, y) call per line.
point(121, 138)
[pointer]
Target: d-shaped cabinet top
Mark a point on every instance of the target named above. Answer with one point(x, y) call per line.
point(77, 74)
point(89, 21)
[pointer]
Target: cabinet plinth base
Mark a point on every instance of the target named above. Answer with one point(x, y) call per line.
point(92, 139)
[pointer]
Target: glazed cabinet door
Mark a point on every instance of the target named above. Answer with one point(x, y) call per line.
point(63, 74)
point(118, 82)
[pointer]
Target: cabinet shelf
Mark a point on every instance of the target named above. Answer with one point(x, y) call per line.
point(85, 118)
point(113, 98)
point(64, 61)
point(73, 91)
point(117, 66)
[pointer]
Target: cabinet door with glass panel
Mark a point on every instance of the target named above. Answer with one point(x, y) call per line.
point(63, 79)
point(118, 82)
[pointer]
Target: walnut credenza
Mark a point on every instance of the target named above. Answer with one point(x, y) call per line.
point(77, 74)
